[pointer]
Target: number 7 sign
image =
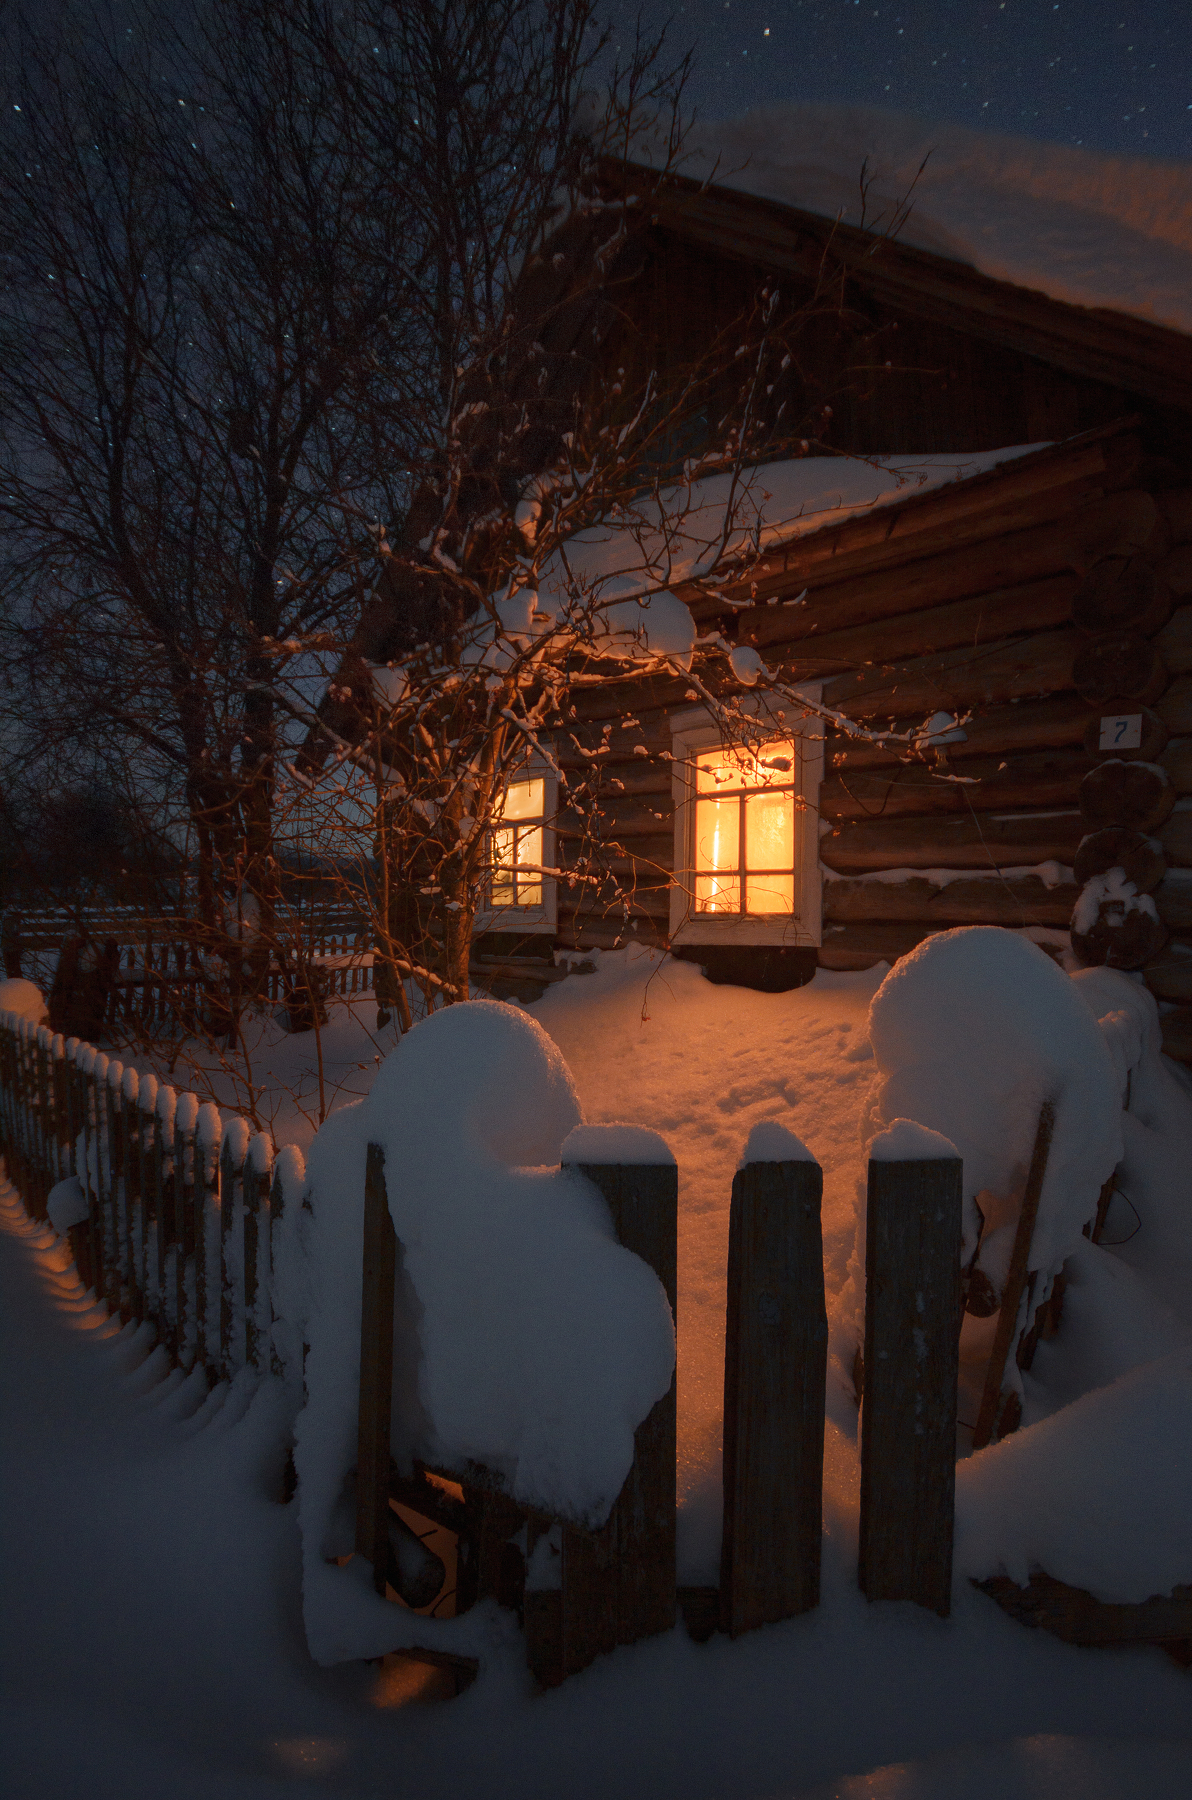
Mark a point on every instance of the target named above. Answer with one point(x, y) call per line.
point(1120, 731)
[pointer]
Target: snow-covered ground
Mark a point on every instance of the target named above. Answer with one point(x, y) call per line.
point(152, 1628)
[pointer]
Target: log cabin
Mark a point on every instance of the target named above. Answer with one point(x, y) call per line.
point(1044, 595)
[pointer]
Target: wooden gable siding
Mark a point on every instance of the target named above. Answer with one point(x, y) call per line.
point(984, 627)
point(1116, 350)
point(946, 389)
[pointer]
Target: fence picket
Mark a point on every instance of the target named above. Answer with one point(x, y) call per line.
point(908, 1417)
point(619, 1582)
point(775, 1362)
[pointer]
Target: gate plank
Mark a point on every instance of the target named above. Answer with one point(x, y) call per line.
point(908, 1420)
point(775, 1363)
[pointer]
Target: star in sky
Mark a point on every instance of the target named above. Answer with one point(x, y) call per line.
point(1115, 75)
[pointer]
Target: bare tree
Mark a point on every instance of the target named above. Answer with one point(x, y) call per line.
point(201, 264)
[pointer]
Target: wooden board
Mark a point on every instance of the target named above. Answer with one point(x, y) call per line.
point(1041, 778)
point(379, 1272)
point(774, 1367)
point(1051, 723)
point(863, 945)
point(1097, 343)
point(1078, 1617)
point(619, 1582)
point(985, 842)
point(984, 900)
point(1176, 838)
point(818, 649)
point(1175, 707)
point(908, 1418)
point(842, 597)
point(957, 679)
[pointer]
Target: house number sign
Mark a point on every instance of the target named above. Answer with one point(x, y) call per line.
point(1121, 731)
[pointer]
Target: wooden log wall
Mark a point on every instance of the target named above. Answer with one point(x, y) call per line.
point(1036, 599)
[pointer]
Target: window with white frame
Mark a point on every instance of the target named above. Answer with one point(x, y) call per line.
point(747, 830)
point(520, 894)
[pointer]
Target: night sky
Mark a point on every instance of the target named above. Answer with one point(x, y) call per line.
point(1115, 75)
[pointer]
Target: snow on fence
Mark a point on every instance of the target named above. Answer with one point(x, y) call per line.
point(584, 1591)
point(155, 978)
point(170, 1209)
point(172, 1213)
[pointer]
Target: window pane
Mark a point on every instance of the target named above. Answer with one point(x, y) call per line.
point(723, 771)
point(769, 831)
point(770, 893)
point(523, 800)
point(503, 891)
point(718, 772)
point(717, 893)
point(774, 765)
point(529, 851)
point(717, 834)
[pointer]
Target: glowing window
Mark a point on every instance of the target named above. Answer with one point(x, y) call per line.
point(745, 831)
point(516, 841)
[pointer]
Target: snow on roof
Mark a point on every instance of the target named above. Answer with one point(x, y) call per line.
point(659, 541)
point(1089, 229)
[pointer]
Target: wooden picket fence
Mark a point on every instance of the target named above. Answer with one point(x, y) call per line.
point(158, 981)
point(182, 1204)
point(181, 1216)
point(618, 1585)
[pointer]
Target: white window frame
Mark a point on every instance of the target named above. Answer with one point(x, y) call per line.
point(544, 918)
point(694, 730)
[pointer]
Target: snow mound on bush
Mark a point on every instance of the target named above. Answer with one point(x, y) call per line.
point(971, 1033)
point(1096, 1495)
point(23, 999)
point(526, 1338)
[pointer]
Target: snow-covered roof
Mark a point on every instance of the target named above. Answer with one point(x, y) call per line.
point(678, 536)
point(1086, 228)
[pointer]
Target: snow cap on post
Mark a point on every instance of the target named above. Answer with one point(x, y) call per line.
point(166, 1102)
point(235, 1139)
point(147, 1093)
point(771, 1142)
point(186, 1112)
point(260, 1153)
point(208, 1126)
point(290, 1169)
point(129, 1083)
point(904, 1140)
point(616, 1144)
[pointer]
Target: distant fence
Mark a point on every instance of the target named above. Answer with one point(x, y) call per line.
point(178, 1204)
point(157, 980)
